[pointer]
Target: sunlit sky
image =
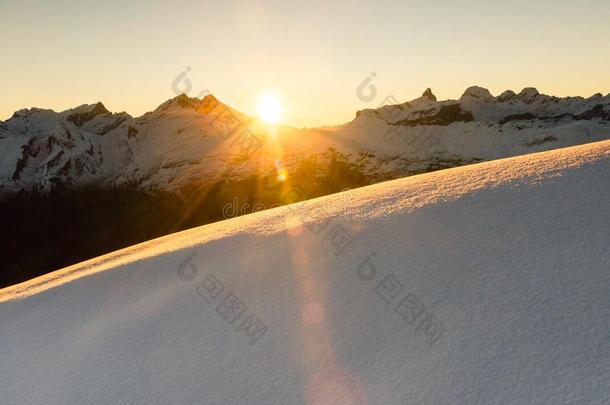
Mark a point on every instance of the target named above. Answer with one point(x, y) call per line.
point(311, 54)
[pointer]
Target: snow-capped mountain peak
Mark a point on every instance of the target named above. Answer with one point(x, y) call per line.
point(478, 93)
point(482, 284)
point(86, 112)
point(508, 95)
point(529, 94)
point(429, 95)
point(189, 139)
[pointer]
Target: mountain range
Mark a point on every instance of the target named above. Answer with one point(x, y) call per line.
point(483, 284)
point(189, 141)
point(83, 182)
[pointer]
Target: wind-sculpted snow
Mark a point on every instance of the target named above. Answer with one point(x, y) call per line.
point(487, 283)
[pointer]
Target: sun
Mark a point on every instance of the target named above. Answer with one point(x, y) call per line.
point(270, 109)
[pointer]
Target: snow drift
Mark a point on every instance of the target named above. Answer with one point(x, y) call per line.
point(482, 284)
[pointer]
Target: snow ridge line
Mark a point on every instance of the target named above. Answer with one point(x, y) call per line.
point(387, 198)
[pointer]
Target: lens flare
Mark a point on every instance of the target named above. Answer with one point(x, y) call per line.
point(270, 109)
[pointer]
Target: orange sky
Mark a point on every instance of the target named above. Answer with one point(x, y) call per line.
point(312, 54)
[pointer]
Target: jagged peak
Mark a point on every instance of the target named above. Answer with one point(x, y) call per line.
point(528, 91)
point(429, 95)
point(477, 92)
point(28, 111)
point(184, 101)
point(529, 94)
point(507, 96)
point(99, 108)
point(426, 98)
point(86, 112)
point(178, 100)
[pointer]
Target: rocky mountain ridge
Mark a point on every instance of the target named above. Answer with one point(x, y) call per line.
point(84, 182)
point(189, 139)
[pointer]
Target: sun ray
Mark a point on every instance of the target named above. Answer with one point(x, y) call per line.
point(270, 109)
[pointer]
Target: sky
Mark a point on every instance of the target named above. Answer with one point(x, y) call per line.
point(313, 55)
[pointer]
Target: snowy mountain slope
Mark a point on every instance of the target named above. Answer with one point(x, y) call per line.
point(477, 127)
point(42, 147)
point(183, 140)
point(487, 283)
point(187, 140)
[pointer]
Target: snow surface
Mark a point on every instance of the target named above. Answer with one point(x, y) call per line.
point(505, 298)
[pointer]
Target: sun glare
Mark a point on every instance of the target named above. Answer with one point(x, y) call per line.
point(270, 109)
